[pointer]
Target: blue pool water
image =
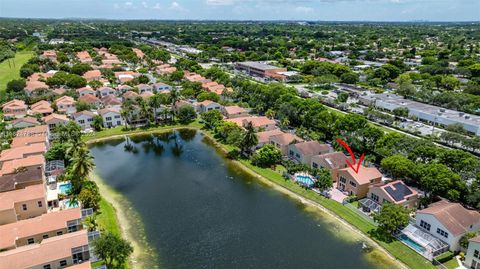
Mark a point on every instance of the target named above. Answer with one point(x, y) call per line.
point(305, 180)
point(409, 242)
point(65, 187)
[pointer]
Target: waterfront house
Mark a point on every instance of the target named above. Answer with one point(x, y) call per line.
point(111, 101)
point(395, 192)
point(111, 117)
point(357, 183)
point(264, 137)
point(84, 119)
point(331, 161)
point(21, 152)
point(14, 109)
point(472, 258)
point(231, 112)
point(57, 252)
point(283, 140)
point(448, 222)
point(304, 151)
point(22, 204)
point(19, 173)
point(259, 123)
point(207, 105)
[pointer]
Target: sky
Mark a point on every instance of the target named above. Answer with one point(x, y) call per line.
point(315, 10)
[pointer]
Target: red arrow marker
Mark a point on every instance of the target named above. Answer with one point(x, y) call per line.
point(352, 165)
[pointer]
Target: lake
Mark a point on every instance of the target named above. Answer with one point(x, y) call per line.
point(200, 211)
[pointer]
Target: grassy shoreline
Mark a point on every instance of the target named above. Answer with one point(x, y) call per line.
point(394, 251)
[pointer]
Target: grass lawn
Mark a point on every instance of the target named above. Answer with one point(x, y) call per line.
point(10, 72)
point(107, 219)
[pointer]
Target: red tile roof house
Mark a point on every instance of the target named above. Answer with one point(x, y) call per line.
point(55, 120)
point(20, 173)
point(181, 103)
point(130, 95)
point(283, 140)
point(22, 151)
point(264, 137)
point(207, 105)
point(139, 53)
point(32, 135)
point(124, 76)
point(124, 88)
point(33, 87)
point(84, 57)
point(448, 222)
point(144, 88)
point(111, 117)
point(35, 230)
point(92, 75)
point(304, 151)
point(104, 91)
point(14, 109)
point(231, 112)
point(49, 54)
point(259, 123)
point(395, 192)
point(111, 101)
point(86, 90)
point(357, 184)
point(330, 161)
point(165, 69)
point(84, 119)
point(161, 87)
point(56, 252)
point(66, 104)
point(42, 107)
point(92, 100)
point(22, 204)
point(147, 95)
point(24, 123)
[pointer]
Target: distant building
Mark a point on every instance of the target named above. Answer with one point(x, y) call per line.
point(259, 69)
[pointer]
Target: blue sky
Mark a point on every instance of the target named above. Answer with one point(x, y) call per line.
point(325, 10)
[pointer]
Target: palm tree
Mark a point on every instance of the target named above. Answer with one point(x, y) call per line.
point(127, 108)
point(81, 166)
point(155, 102)
point(249, 139)
point(174, 97)
point(91, 223)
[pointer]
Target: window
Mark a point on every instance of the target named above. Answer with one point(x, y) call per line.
point(45, 236)
point(24, 207)
point(119, 123)
point(315, 165)
point(108, 118)
point(442, 233)
point(63, 263)
point(51, 126)
point(375, 197)
point(343, 180)
point(353, 184)
point(81, 121)
point(30, 241)
point(40, 204)
point(90, 119)
point(476, 254)
point(59, 233)
point(291, 153)
point(425, 225)
point(47, 266)
point(117, 117)
point(297, 155)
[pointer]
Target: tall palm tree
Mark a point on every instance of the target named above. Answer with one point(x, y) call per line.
point(249, 139)
point(127, 108)
point(81, 166)
point(155, 102)
point(91, 223)
point(174, 97)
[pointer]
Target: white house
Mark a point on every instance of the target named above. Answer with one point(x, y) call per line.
point(144, 88)
point(472, 259)
point(104, 91)
point(84, 119)
point(207, 105)
point(55, 120)
point(158, 87)
point(448, 222)
point(111, 117)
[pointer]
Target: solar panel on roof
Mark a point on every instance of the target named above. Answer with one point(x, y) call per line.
point(399, 192)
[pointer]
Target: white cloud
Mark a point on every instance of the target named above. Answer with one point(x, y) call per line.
point(176, 6)
point(219, 2)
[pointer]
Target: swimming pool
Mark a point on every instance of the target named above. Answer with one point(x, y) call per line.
point(64, 188)
point(304, 180)
point(409, 242)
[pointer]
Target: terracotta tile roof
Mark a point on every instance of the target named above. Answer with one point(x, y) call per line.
point(92, 74)
point(42, 224)
point(365, 174)
point(85, 89)
point(130, 94)
point(476, 239)
point(32, 85)
point(12, 177)
point(147, 94)
point(285, 138)
point(107, 110)
point(14, 104)
point(41, 103)
point(30, 120)
point(66, 100)
point(49, 250)
point(206, 103)
point(110, 100)
point(20, 141)
point(59, 91)
point(21, 151)
point(256, 121)
point(89, 99)
point(84, 56)
point(139, 53)
point(263, 137)
point(11, 166)
point(10, 198)
point(334, 160)
point(84, 112)
point(41, 130)
point(312, 148)
point(232, 110)
point(55, 116)
point(452, 216)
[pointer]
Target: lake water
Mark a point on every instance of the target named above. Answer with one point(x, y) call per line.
point(199, 211)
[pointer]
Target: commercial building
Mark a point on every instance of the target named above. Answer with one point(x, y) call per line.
point(259, 69)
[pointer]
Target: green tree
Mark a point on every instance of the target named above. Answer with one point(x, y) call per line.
point(16, 85)
point(112, 249)
point(465, 238)
point(208, 96)
point(324, 180)
point(186, 114)
point(81, 166)
point(249, 139)
point(399, 166)
point(91, 223)
point(211, 118)
point(97, 123)
point(266, 156)
point(390, 218)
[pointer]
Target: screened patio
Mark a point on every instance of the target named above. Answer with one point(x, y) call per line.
point(422, 242)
